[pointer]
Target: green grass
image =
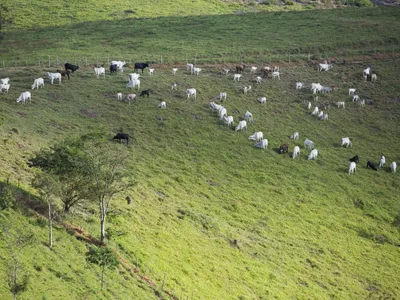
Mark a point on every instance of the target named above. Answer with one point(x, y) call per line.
point(305, 229)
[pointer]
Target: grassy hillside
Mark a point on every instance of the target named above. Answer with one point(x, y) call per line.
point(304, 229)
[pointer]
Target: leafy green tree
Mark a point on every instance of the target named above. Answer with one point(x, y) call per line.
point(103, 257)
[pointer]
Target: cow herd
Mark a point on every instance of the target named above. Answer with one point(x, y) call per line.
point(258, 136)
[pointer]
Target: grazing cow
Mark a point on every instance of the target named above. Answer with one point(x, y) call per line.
point(299, 85)
point(131, 97)
point(163, 104)
point(346, 141)
point(145, 93)
point(371, 165)
point(276, 69)
point(236, 77)
point(374, 77)
point(122, 136)
point(248, 116)
point(65, 73)
point(228, 120)
point(321, 114)
point(362, 103)
point(324, 117)
point(133, 83)
point(151, 71)
point(393, 167)
point(196, 71)
point(355, 98)
point(119, 96)
point(258, 79)
point(246, 89)
point(325, 67)
point(315, 111)
point(283, 148)
point(224, 71)
point(382, 161)
point(309, 105)
point(100, 71)
point(222, 96)
point(240, 69)
point(295, 136)
point(39, 82)
point(262, 144)
point(174, 86)
point(355, 159)
point(313, 154)
point(276, 75)
point(24, 97)
point(222, 113)
point(257, 136)
point(133, 76)
point(352, 91)
point(308, 144)
point(4, 87)
point(53, 76)
point(253, 69)
point(174, 70)
point(120, 64)
point(214, 106)
point(191, 93)
point(113, 68)
point(242, 125)
point(340, 104)
point(189, 67)
point(367, 71)
point(71, 67)
point(352, 167)
point(296, 152)
point(262, 100)
point(326, 89)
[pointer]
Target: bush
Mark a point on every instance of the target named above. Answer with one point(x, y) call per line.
point(6, 197)
point(270, 2)
point(359, 3)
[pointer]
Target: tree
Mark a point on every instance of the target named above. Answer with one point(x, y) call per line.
point(108, 175)
point(67, 162)
point(104, 257)
point(17, 280)
point(48, 188)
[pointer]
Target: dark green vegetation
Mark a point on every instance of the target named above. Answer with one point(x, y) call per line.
point(304, 229)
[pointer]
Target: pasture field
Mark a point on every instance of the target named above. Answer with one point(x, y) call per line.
point(303, 229)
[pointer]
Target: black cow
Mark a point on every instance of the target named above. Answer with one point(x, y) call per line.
point(371, 165)
point(240, 69)
point(122, 136)
point(65, 73)
point(283, 148)
point(354, 159)
point(145, 92)
point(71, 67)
point(113, 68)
point(141, 66)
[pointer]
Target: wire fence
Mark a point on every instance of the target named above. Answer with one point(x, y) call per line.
point(57, 61)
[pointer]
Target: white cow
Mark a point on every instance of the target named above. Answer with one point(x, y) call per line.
point(248, 116)
point(119, 96)
point(324, 117)
point(189, 67)
point(257, 136)
point(222, 113)
point(309, 105)
point(191, 93)
point(242, 125)
point(174, 86)
point(39, 82)
point(299, 85)
point(262, 144)
point(215, 106)
point(4, 87)
point(355, 98)
point(316, 88)
point(133, 76)
point(296, 152)
point(120, 64)
point(133, 83)
point(163, 104)
point(24, 97)
point(174, 70)
point(308, 144)
point(262, 100)
point(237, 77)
point(313, 154)
point(253, 69)
point(382, 161)
point(224, 71)
point(393, 167)
point(325, 67)
point(352, 91)
point(131, 97)
point(374, 77)
point(276, 75)
point(228, 120)
point(100, 71)
point(346, 142)
point(362, 102)
point(258, 79)
point(295, 136)
point(5, 80)
point(151, 71)
point(352, 167)
point(246, 89)
point(53, 76)
point(222, 96)
point(196, 71)
point(315, 111)
point(367, 71)
point(340, 104)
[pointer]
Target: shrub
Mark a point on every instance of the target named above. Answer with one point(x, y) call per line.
point(6, 197)
point(359, 3)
